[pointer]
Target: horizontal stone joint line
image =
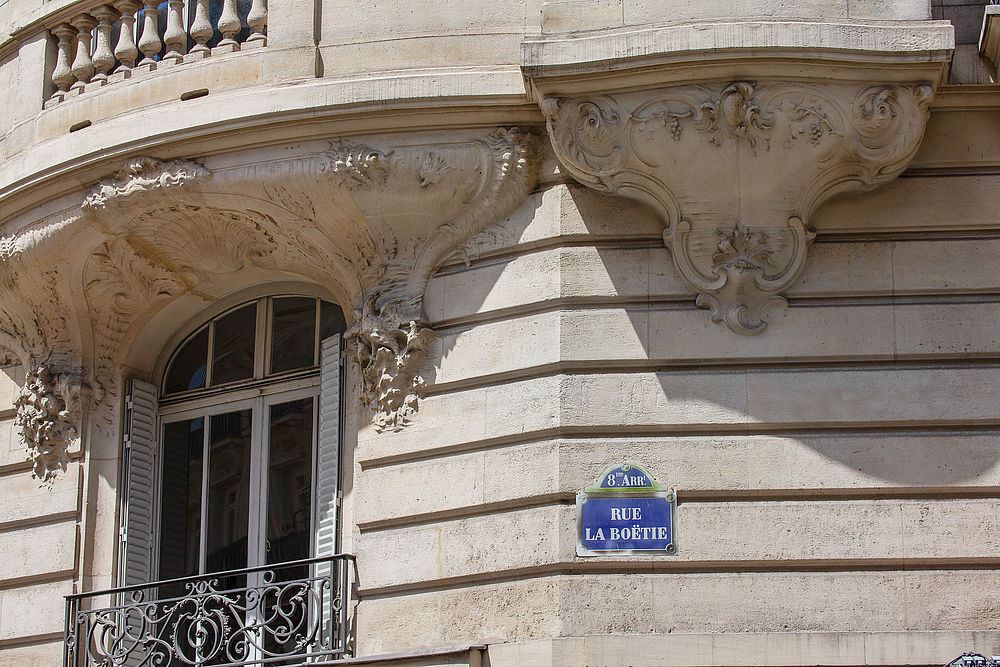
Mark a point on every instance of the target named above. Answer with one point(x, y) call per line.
point(691, 497)
point(31, 580)
point(686, 302)
point(665, 566)
point(631, 431)
point(36, 521)
point(719, 366)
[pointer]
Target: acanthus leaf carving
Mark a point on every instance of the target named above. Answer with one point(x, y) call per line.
point(736, 194)
point(47, 409)
point(389, 351)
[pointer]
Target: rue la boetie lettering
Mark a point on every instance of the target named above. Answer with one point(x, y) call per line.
point(625, 512)
point(634, 532)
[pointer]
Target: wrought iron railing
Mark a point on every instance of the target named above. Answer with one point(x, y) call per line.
point(287, 613)
point(975, 659)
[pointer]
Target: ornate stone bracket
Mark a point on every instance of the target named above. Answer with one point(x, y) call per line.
point(468, 187)
point(369, 220)
point(48, 412)
point(737, 169)
point(389, 352)
point(36, 334)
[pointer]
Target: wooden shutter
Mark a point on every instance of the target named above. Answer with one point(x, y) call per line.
point(138, 468)
point(328, 450)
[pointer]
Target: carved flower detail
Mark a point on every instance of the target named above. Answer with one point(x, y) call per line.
point(742, 249)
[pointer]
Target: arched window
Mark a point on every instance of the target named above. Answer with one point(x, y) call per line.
point(236, 455)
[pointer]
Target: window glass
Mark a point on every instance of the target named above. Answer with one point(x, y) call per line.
point(180, 500)
point(187, 368)
point(228, 496)
point(293, 333)
point(289, 481)
point(233, 346)
point(331, 320)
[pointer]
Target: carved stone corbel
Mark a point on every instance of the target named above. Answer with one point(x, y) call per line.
point(35, 333)
point(389, 351)
point(48, 412)
point(466, 186)
point(736, 170)
point(370, 222)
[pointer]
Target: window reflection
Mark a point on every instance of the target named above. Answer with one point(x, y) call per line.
point(228, 496)
point(293, 337)
point(289, 481)
point(331, 320)
point(233, 346)
point(187, 368)
point(180, 502)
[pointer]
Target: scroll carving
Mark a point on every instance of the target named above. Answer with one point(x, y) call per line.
point(353, 166)
point(736, 171)
point(138, 177)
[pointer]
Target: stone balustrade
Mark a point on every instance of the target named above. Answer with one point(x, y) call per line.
point(109, 43)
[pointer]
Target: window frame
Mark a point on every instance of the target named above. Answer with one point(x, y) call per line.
point(263, 336)
point(259, 407)
point(257, 394)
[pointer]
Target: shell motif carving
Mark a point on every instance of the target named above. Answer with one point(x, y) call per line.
point(736, 171)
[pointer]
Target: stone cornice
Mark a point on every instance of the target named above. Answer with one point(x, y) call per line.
point(685, 52)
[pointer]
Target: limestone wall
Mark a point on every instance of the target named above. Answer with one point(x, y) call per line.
point(38, 544)
point(835, 474)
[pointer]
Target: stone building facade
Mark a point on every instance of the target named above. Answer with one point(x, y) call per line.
point(397, 280)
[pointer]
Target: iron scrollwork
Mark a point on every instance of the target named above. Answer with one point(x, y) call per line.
point(254, 616)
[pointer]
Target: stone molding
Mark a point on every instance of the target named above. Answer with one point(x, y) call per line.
point(737, 169)
point(369, 219)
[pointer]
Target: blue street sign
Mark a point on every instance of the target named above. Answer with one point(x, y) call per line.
point(625, 512)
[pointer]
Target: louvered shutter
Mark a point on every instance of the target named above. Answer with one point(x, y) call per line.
point(328, 450)
point(327, 489)
point(137, 483)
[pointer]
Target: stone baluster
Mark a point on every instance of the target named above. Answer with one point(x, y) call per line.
point(62, 75)
point(104, 59)
point(125, 50)
point(229, 24)
point(149, 42)
point(201, 27)
point(174, 36)
point(257, 18)
point(83, 66)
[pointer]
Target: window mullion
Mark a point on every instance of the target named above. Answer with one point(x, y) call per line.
point(206, 461)
point(258, 488)
point(317, 321)
point(261, 341)
point(210, 355)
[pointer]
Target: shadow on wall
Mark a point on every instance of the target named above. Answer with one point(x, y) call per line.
point(636, 351)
